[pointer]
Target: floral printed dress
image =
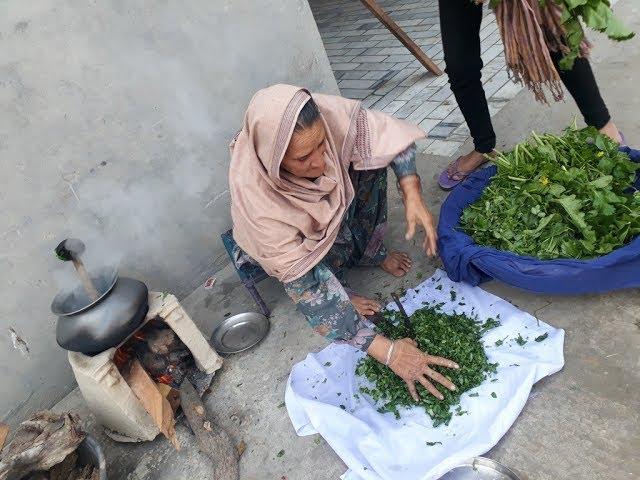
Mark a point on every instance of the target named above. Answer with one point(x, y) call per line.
point(321, 294)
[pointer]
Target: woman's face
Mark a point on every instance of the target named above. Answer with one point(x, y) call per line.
point(305, 154)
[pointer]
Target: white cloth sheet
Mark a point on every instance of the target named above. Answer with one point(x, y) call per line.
point(322, 394)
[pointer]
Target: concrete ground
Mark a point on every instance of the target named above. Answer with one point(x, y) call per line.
point(581, 423)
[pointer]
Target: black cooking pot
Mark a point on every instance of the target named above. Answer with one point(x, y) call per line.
point(92, 326)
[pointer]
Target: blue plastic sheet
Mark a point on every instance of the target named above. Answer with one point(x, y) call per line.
point(465, 261)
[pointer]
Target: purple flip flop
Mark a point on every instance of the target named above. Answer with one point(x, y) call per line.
point(447, 182)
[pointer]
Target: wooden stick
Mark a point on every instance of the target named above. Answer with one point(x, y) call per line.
point(85, 279)
point(393, 27)
point(4, 431)
point(214, 441)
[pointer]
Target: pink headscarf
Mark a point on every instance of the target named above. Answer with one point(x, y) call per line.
point(287, 223)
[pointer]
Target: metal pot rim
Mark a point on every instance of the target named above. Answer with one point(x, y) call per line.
point(110, 273)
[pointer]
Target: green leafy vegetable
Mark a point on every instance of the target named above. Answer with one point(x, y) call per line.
point(280, 454)
point(565, 196)
point(476, 394)
point(457, 337)
point(493, 394)
point(520, 341)
point(542, 337)
point(431, 444)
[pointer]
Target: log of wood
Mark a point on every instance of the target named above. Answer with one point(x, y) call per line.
point(152, 400)
point(4, 431)
point(40, 443)
point(214, 441)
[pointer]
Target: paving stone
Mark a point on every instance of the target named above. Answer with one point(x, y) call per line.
point(394, 51)
point(366, 44)
point(428, 124)
point(422, 112)
point(508, 91)
point(357, 84)
point(410, 22)
point(357, 94)
point(370, 100)
point(444, 148)
point(442, 94)
point(354, 51)
point(341, 58)
point(442, 130)
point(344, 66)
point(387, 99)
point(393, 106)
point(400, 58)
point(372, 58)
point(442, 111)
point(375, 75)
point(352, 74)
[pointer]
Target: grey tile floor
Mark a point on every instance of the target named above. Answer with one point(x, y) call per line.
point(371, 65)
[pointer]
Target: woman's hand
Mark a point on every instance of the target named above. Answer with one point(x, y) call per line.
point(417, 213)
point(411, 364)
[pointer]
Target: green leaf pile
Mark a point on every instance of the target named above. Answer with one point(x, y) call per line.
point(456, 337)
point(597, 15)
point(564, 196)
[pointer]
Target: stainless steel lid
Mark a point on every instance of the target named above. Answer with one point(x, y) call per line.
point(240, 332)
point(480, 468)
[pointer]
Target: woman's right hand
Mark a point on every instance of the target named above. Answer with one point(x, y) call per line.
point(412, 365)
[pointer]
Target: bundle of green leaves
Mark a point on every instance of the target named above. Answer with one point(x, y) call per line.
point(595, 14)
point(456, 337)
point(566, 196)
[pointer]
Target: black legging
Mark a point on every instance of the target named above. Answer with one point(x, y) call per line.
point(460, 27)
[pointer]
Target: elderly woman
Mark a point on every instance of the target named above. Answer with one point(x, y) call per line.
point(308, 185)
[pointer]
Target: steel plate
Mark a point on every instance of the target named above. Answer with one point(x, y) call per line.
point(240, 332)
point(480, 468)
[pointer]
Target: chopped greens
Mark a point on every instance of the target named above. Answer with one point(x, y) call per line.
point(566, 196)
point(542, 337)
point(520, 341)
point(456, 336)
point(431, 444)
point(493, 394)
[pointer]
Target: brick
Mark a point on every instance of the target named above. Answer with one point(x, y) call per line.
point(393, 106)
point(367, 44)
point(376, 75)
point(400, 58)
point(442, 111)
point(372, 58)
point(341, 58)
point(344, 66)
point(443, 147)
point(370, 100)
point(422, 111)
point(387, 99)
point(357, 84)
point(355, 94)
point(442, 131)
point(508, 91)
point(394, 51)
point(428, 124)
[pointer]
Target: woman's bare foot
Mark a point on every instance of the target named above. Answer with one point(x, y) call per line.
point(611, 131)
point(397, 264)
point(365, 306)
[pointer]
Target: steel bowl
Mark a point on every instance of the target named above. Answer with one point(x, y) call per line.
point(481, 468)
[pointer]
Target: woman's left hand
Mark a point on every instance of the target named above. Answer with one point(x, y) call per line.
point(417, 214)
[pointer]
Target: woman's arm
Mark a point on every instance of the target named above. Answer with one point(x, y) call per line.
point(416, 212)
point(324, 302)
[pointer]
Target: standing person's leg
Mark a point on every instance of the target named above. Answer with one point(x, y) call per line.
point(582, 86)
point(460, 28)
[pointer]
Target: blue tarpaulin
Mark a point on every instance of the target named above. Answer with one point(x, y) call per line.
point(465, 261)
